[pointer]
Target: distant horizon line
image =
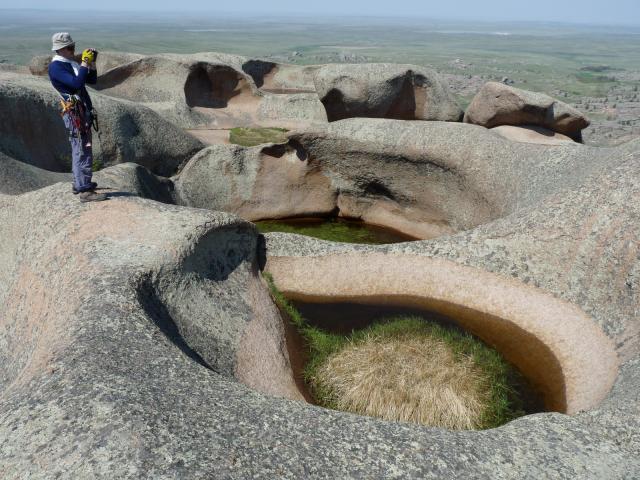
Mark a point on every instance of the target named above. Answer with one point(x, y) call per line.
point(317, 16)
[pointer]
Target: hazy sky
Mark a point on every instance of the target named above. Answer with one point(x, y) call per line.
point(581, 11)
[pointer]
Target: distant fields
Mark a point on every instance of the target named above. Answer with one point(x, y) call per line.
point(542, 56)
point(588, 66)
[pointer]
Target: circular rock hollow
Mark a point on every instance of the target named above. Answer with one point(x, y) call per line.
point(408, 365)
point(560, 350)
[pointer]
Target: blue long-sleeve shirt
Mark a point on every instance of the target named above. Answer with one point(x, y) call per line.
point(65, 81)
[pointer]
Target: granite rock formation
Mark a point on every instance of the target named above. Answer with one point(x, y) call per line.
point(422, 178)
point(137, 339)
point(206, 90)
point(18, 177)
point(499, 104)
point(128, 132)
point(405, 92)
point(532, 134)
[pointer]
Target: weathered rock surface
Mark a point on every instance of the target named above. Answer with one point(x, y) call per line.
point(19, 177)
point(282, 78)
point(206, 90)
point(137, 339)
point(499, 104)
point(132, 133)
point(579, 244)
point(131, 179)
point(572, 373)
point(129, 132)
point(102, 371)
point(291, 110)
point(255, 183)
point(92, 294)
point(422, 178)
point(532, 134)
point(404, 92)
point(108, 60)
point(39, 65)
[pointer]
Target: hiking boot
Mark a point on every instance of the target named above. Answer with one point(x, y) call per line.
point(91, 196)
point(94, 185)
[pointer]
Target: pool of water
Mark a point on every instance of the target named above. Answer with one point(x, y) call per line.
point(335, 230)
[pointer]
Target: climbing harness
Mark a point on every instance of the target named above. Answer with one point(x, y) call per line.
point(75, 111)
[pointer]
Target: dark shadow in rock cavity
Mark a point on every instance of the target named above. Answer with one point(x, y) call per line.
point(261, 252)
point(212, 86)
point(158, 313)
point(257, 69)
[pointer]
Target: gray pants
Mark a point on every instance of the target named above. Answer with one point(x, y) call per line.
point(81, 156)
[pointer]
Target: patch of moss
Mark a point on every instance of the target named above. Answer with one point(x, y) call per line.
point(96, 165)
point(250, 137)
point(506, 383)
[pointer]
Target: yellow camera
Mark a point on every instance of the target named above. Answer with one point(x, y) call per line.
point(89, 55)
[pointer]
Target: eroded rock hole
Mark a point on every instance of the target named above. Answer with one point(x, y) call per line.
point(334, 105)
point(258, 69)
point(404, 105)
point(407, 365)
point(212, 86)
point(377, 189)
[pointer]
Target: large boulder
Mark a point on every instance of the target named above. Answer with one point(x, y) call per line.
point(108, 60)
point(291, 110)
point(128, 132)
point(39, 65)
point(256, 183)
point(131, 179)
point(499, 104)
point(280, 77)
point(384, 90)
point(207, 90)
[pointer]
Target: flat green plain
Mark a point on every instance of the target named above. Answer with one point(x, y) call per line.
point(537, 56)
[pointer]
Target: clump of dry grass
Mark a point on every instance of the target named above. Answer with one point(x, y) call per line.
point(415, 379)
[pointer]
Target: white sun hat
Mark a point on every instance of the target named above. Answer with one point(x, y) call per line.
point(61, 40)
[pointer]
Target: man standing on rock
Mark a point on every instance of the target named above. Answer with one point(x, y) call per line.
point(69, 79)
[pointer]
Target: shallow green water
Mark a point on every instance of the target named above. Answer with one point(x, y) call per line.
point(335, 230)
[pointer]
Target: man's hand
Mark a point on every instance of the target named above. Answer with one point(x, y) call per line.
point(89, 55)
